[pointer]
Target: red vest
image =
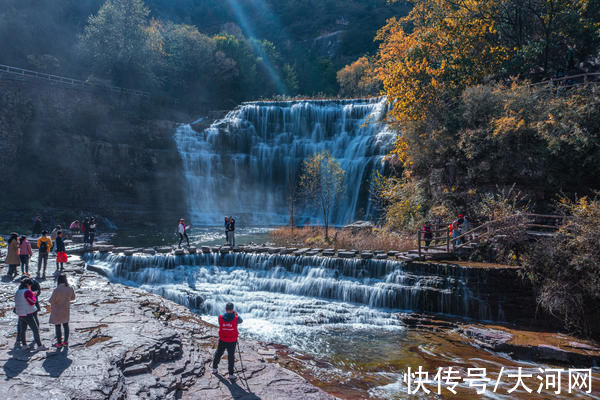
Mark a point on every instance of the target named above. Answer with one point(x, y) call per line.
point(228, 331)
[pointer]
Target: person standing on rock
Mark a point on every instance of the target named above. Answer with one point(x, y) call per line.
point(12, 257)
point(25, 308)
point(44, 245)
point(227, 230)
point(53, 236)
point(75, 226)
point(61, 252)
point(60, 310)
point(25, 254)
point(427, 235)
point(92, 231)
point(231, 229)
point(182, 231)
point(228, 336)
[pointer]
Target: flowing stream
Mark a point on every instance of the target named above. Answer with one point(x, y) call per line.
point(340, 315)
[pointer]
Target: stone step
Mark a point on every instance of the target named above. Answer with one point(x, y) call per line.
point(345, 254)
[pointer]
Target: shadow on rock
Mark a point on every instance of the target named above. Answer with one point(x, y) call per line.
point(237, 392)
point(17, 363)
point(56, 363)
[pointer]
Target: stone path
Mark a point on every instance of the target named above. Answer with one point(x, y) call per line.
point(129, 344)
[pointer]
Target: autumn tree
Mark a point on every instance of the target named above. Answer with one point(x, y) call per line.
point(321, 182)
point(357, 80)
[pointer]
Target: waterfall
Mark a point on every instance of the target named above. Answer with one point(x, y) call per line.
point(292, 286)
point(247, 163)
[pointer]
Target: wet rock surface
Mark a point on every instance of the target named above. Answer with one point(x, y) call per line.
point(128, 344)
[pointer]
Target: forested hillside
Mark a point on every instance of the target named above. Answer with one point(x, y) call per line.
point(195, 53)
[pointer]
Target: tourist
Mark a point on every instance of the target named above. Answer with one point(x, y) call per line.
point(182, 231)
point(25, 308)
point(37, 226)
point(53, 236)
point(25, 254)
point(85, 229)
point(61, 252)
point(427, 235)
point(231, 229)
point(60, 309)
point(44, 244)
point(92, 231)
point(12, 257)
point(228, 336)
point(75, 226)
point(227, 230)
point(456, 229)
point(37, 290)
point(465, 227)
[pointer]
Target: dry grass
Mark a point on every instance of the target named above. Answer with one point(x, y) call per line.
point(310, 236)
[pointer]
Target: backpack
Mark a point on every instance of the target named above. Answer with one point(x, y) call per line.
point(44, 247)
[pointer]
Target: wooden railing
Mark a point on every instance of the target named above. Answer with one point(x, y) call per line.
point(76, 83)
point(534, 224)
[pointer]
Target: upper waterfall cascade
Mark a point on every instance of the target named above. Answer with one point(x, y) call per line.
point(246, 164)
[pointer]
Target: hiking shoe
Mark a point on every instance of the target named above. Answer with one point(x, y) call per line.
point(65, 344)
point(214, 371)
point(232, 377)
point(57, 345)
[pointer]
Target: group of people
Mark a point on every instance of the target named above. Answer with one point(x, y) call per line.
point(230, 230)
point(20, 252)
point(458, 227)
point(27, 306)
point(87, 228)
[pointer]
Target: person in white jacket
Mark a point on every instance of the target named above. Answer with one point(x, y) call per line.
point(182, 231)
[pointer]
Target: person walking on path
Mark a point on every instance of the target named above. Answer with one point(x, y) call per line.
point(61, 252)
point(228, 337)
point(182, 231)
point(12, 257)
point(25, 254)
point(37, 226)
point(92, 231)
point(231, 229)
point(60, 310)
point(53, 234)
point(25, 308)
point(44, 245)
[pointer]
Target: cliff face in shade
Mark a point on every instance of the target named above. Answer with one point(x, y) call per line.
point(64, 148)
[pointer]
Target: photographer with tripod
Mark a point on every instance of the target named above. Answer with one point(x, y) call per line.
point(228, 336)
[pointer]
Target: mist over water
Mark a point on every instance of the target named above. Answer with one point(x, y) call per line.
point(247, 163)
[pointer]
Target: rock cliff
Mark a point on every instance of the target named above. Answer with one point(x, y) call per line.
point(67, 148)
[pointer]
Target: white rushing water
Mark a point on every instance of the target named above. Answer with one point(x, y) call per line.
point(247, 163)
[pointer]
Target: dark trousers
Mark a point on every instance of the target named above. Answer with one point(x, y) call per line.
point(42, 258)
point(58, 332)
point(230, 346)
point(12, 269)
point(91, 238)
point(24, 263)
point(86, 237)
point(184, 235)
point(24, 322)
point(231, 238)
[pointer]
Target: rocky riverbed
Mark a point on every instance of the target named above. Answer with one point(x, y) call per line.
point(128, 344)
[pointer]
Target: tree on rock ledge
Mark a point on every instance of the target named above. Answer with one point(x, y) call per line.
point(321, 181)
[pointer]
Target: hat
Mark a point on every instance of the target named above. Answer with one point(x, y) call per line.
point(44, 232)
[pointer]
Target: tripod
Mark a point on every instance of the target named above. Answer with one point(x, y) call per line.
point(242, 366)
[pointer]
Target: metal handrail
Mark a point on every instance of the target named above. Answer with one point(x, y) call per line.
point(68, 81)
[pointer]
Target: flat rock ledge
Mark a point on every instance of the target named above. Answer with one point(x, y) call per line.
point(128, 344)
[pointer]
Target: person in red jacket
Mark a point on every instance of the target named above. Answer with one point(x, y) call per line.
point(228, 336)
